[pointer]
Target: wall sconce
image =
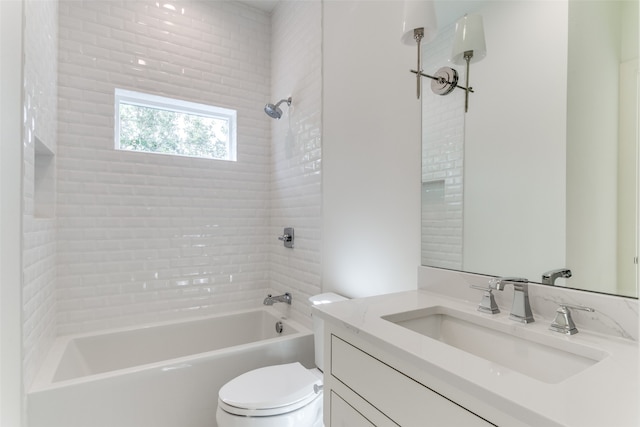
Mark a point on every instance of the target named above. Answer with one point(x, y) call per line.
point(468, 46)
point(418, 24)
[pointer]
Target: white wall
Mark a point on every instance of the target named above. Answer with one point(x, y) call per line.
point(442, 159)
point(296, 152)
point(143, 237)
point(370, 151)
point(629, 92)
point(592, 143)
point(11, 152)
point(502, 197)
point(627, 186)
point(40, 144)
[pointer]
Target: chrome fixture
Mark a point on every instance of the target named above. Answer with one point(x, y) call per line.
point(488, 303)
point(520, 309)
point(549, 278)
point(279, 327)
point(287, 237)
point(563, 322)
point(418, 25)
point(468, 46)
point(274, 111)
point(317, 388)
point(270, 300)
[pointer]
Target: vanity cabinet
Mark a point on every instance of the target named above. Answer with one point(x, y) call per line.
point(345, 415)
point(366, 391)
point(379, 370)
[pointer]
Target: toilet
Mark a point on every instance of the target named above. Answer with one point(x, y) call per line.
point(287, 395)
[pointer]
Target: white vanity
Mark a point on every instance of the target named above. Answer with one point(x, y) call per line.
point(421, 358)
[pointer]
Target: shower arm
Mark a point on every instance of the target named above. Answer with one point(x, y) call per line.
point(288, 101)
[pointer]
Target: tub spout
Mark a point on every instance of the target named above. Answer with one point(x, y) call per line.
point(269, 300)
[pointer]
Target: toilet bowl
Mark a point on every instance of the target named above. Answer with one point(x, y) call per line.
point(278, 396)
point(287, 395)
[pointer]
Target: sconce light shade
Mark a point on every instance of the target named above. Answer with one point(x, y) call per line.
point(418, 14)
point(469, 37)
point(419, 23)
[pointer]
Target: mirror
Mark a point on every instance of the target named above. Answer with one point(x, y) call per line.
point(541, 173)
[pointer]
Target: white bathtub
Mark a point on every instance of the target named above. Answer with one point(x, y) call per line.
point(159, 375)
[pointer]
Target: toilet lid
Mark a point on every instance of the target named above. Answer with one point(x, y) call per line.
point(269, 391)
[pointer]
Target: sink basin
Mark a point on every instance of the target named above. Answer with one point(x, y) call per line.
point(539, 356)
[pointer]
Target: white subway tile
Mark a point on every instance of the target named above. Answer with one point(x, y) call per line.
point(146, 237)
point(143, 221)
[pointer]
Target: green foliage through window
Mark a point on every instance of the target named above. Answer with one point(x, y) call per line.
point(160, 125)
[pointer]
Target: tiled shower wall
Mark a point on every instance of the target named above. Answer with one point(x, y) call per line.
point(442, 161)
point(296, 151)
point(39, 145)
point(143, 237)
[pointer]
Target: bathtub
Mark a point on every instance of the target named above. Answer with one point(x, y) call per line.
point(164, 374)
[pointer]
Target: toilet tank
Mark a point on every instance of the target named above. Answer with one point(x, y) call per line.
point(318, 325)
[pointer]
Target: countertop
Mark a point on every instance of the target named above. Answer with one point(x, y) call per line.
point(605, 394)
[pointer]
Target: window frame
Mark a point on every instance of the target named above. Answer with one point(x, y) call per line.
point(140, 99)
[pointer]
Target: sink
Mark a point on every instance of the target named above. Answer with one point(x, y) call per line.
point(540, 356)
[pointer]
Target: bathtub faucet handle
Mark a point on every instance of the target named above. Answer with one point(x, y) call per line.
point(287, 237)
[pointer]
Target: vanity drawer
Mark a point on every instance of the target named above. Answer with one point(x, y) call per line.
point(401, 398)
point(345, 415)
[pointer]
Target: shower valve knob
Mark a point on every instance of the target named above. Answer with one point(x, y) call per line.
point(287, 237)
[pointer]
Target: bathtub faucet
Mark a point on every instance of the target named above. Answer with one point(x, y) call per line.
point(269, 300)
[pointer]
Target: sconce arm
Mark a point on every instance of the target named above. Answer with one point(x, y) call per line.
point(441, 80)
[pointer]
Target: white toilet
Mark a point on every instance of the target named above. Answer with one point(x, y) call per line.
point(279, 395)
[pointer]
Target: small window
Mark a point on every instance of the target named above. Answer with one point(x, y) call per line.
point(155, 124)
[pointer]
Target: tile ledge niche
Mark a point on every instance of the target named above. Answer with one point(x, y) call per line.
point(44, 180)
point(614, 316)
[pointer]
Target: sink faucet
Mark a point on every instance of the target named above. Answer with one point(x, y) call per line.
point(563, 322)
point(269, 300)
point(549, 278)
point(521, 309)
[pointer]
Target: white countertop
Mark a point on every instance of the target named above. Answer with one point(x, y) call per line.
point(605, 394)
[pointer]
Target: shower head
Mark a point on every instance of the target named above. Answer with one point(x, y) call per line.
point(274, 111)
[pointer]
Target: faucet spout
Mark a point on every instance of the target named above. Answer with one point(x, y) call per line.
point(270, 300)
point(521, 308)
point(549, 278)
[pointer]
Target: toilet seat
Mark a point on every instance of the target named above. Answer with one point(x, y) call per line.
point(269, 391)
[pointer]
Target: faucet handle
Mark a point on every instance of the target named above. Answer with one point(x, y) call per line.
point(287, 298)
point(287, 237)
point(488, 303)
point(563, 322)
point(497, 283)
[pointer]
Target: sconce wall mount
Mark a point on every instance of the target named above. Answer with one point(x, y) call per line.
point(469, 46)
point(444, 81)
